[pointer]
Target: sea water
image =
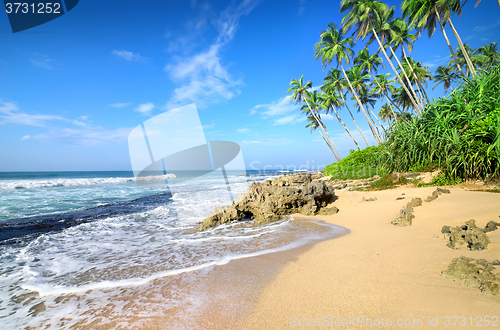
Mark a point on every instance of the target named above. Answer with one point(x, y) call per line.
point(74, 244)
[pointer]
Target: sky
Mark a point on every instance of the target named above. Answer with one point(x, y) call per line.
point(74, 88)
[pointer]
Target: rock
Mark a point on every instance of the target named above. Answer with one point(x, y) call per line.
point(491, 226)
point(268, 201)
point(404, 217)
point(467, 235)
point(416, 202)
point(496, 262)
point(399, 198)
point(371, 199)
point(38, 308)
point(473, 273)
point(436, 193)
point(328, 210)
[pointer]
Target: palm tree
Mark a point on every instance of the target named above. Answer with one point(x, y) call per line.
point(444, 75)
point(402, 99)
point(365, 15)
point(335, 82)
point(331, 101)
point(490, 54)
point(299, 93)
point(332, 45)
point(369, 99)
point(478, 2)
point(423, 14)
point(386, 113)
point(475, 59)
point(420, 74)
point(401, 36)
point(384, 85)
point(313, 105)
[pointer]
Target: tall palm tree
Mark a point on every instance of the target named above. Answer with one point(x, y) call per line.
point(386, 113)
point(401, 37)
point(490, 54)
point(300, 93)
point(331, 101)
point(444, 75)
point(335, 82)
point(333, 45)
point(369, 100)
point(423, 14)
point(313, 105)
point(475, 59)
point(365, 16)
point(370, 63)
point(420, 74)
point(385, 86)
point(478, 2)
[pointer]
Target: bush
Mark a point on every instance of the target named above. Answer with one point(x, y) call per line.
point(360, 164)
point(460, 133)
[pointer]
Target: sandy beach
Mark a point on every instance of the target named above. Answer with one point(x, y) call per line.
point(383, 271)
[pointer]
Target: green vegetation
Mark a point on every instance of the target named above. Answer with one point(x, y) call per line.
point(459, 134)
point(440, 180)
point(360, 164)
point(387, 182)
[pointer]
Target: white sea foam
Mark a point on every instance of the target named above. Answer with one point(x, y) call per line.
point(73, 182)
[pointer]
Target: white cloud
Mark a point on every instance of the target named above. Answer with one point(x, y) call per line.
point(327, 117)
point(269, 142)
point(26, 137)
point(145, 107)
point(119, 105)
point(126, 55)
point(87, 136)
point(203, 77)
point(284, 111)
point(243, 130)
point(302, 7)
point(483, 28)
point(10, 114)
point(43, 61)
point(439, 60)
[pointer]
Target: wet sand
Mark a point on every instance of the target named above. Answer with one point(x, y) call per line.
point(381, 270)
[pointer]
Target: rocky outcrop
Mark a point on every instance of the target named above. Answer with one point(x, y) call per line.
point(436, 193)
point(405, 215)
point(371, 199)
point(268, 201)
point(473, 273)
point(491, 226)
point(468, 235)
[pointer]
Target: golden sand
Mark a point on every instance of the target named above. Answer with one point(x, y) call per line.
point(383, 271)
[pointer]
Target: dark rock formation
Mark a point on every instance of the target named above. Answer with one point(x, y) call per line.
point(491, 226)
point(436, 193)
point(268, 201)
point(473, 273)
point(405, 215)
point(468, 235)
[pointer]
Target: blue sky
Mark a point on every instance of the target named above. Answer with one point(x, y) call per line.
point(74, 88)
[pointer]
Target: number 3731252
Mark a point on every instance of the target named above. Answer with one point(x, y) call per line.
point(34, 8)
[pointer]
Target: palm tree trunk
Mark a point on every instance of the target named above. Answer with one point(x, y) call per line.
point(329, 141)
point(393, 68)
point(390, 106)
point(380, 88)
point(415, 97)
point(448, 41)
point(466, 56)
point(377, 119)
point(377, 138)
point(394, 104)
point(414, 76)
point(345, 127)
point(423, 90)
point(354, 120)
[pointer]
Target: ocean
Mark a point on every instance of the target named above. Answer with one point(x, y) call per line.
point(73, 245)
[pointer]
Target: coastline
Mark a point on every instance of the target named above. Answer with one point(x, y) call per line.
point(380, 270)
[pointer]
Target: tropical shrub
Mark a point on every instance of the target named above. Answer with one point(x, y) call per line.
point(460, 133)
point(359, 164)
